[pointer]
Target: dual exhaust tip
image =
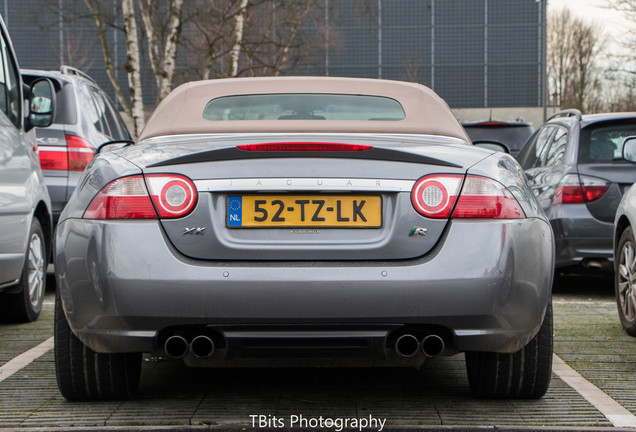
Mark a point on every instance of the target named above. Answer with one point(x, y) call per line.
point(408, 345)
point(200, 346)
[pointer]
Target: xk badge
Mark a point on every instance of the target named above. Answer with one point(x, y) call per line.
point(418, 231)
point(194, 231)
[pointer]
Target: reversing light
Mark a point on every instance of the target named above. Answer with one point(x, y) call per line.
point(304, 147)
point(485, 198)
point(124, 198)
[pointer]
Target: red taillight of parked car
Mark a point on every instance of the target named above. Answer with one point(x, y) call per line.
point(167, 196)
point(80, 153)
point(438, 196)
point(53, 158)
point(579, 189)
point(74, 157)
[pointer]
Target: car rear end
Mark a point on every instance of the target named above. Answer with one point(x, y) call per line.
point(585, 201)
point(62, 148)
point(376, 250)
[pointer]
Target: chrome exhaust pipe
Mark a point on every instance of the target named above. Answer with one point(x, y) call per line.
point(176, 346)
point(202, 347)
point(407, 345)
point(432, 345)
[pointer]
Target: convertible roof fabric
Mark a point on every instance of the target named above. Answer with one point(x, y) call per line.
point(181, 112)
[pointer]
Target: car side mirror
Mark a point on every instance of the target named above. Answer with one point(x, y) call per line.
point(629, 149)
point(492, 145)
point(41, 103)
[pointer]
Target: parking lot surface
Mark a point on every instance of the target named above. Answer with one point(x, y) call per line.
point(598, 391)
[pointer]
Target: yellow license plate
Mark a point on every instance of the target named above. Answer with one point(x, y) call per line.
point(288, 211)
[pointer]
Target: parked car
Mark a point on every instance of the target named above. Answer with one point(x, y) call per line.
point(512, 134)
point(574, 165)
point(625, 250)
point(301, 220)
point(25, 207)
point(84, 119)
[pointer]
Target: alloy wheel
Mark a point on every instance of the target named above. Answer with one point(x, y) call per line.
point(626, 280)
point(36, 269)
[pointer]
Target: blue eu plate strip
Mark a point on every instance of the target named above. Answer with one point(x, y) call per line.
point(235, 211)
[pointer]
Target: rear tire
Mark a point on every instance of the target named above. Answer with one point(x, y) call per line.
point(625, 281)
point(26, 304)
point(524, 374)
point(83, 374)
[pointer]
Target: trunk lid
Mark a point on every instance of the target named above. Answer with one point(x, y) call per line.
point(620, 175)
point(304, 205)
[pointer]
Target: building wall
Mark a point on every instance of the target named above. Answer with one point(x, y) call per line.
point(473, 53)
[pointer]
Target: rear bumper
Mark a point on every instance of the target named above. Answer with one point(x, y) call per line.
point(487, 283)
point(579, 236)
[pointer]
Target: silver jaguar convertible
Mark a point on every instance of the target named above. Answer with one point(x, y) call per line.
point(303, 221)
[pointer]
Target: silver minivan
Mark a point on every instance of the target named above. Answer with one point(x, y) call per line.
point(25, 207)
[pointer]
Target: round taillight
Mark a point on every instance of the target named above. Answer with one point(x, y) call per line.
point(174, 195)
point(434, 196)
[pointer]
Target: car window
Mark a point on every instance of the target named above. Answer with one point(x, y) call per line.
point(100, 107)
point(533, 153)
point(603, 142)
point(87, 107)
point(113, 124)
point(557, 148)
point(299, 106)
point(109, 117)
point(12, 105)
point(125, 135)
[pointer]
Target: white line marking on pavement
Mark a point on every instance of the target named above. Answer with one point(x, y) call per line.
point(612, 410)
point(24, 359)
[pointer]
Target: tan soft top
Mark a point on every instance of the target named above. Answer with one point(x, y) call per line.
point(181, 112)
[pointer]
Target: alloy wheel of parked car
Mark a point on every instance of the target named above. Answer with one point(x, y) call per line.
point(625, 281)
point(523, 374)
point(83, 374)
point(35, 270)
point(26, 305)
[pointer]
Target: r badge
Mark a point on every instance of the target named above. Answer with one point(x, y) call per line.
point(418, 231)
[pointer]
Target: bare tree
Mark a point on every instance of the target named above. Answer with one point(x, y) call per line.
point(237, 38)
point(163, 62)
point(103, 21)
point(623, 70)
point(574, 74)
point(282, 44)
point(249, 37)
point(133, 65)
point(161, 22)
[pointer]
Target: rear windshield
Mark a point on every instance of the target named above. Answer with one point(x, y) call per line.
point(512, 136)
point(303, 107)
point(603, 142)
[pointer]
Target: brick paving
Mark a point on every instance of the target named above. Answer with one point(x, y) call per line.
point(588, 337)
